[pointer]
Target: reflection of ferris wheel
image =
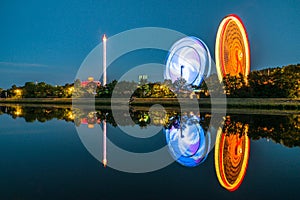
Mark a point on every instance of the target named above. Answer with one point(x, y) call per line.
point(189, 144)
point(232, 52)
point(231, 158)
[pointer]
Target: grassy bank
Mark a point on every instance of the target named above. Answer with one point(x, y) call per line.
point(264, 103)
point(251, 103)
point(37, 100)
point(54, 101)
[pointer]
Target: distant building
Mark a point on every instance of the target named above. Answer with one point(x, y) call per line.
point(90, 80)
point(143, 79)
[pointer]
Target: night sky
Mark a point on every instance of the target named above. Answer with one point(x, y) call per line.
point(48, 40)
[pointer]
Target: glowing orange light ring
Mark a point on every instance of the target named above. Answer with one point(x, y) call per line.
point(219, 162)
point(219, 46)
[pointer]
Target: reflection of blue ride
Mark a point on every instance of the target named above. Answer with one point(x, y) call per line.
point(188, 143)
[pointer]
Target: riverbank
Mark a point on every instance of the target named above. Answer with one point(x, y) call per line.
point(250, 103)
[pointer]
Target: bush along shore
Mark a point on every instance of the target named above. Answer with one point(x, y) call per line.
point(273, 88)
point(251, 103)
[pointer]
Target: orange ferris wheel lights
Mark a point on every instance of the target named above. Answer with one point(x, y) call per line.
point(231, 159)
point(232, 51)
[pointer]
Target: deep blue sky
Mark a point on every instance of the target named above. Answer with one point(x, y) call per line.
point(48, 40)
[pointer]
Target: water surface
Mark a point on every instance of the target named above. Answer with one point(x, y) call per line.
point(42, 157)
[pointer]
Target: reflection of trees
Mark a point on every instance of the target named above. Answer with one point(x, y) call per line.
point(235, 127)
point(41, 114)
point(93, 117)
point(169, 118)
point(280, 129)
point(141, 118)
point(283, 129)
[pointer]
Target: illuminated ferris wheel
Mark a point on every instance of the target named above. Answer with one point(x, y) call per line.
point(232, 51)
point(189, 58)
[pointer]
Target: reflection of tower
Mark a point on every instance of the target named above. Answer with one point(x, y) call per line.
point(104, 161)
point(104, 59)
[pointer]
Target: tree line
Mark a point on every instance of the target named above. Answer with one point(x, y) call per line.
point(38, 90)
point(267, 83)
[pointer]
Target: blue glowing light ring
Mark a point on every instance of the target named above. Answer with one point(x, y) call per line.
point(191, 53)
point(184, 156)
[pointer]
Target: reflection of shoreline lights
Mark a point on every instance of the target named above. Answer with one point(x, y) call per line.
point(232, 51)
point(231, 158)
point(187, 142)
point(189, 58)
point(70, 115)
point(90, 119)
point(18, 110)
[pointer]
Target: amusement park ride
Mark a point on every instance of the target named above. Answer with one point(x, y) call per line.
point(189, 58)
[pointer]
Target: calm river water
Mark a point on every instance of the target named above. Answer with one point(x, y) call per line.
point(254, 156)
